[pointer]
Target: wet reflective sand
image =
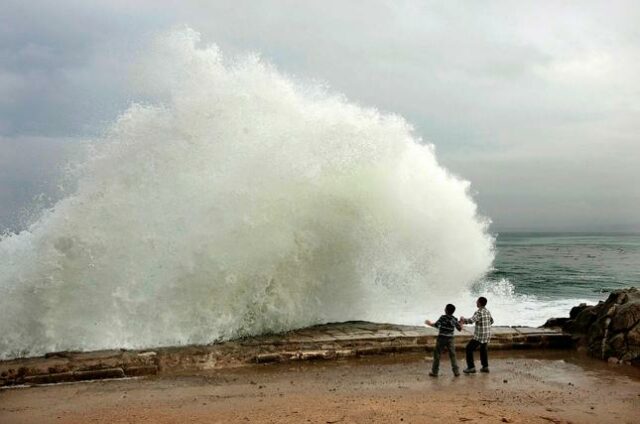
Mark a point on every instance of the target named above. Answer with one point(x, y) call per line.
point(532, 386)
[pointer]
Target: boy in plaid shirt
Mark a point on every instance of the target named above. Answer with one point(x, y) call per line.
point(446, 324)
point(481, 336)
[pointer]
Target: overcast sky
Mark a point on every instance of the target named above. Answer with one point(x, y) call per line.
point(536, 103)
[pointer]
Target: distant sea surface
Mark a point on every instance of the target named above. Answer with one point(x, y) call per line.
point(539, 275)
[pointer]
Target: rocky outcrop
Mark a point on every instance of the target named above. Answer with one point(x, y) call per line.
point(609, 330)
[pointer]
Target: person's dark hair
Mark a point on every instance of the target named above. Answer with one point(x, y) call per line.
point(482, 301)
point(449, 309)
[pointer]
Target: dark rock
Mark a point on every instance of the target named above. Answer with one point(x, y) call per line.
point(64, 354)
point(141, 370)
point(49, 378)
point(99, 374)
point(369, 350)
point(610, 329)
point(617, 342)
point(577, 309)
point(633, 336)
point(267, 357)
point(596, 332)
point(555, 322)
point(583, 320)
point(626, 316)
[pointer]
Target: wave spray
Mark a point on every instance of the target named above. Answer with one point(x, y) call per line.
point(238, 202)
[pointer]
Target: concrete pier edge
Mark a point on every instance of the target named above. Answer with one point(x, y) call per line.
point(321, 342)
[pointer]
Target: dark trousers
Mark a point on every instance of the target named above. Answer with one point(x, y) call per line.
point(443, 343)
point(484, 356)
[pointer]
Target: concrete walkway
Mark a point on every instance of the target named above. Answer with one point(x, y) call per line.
point(327, 341)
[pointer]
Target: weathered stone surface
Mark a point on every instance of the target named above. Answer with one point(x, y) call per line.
point(556, 322)
point(633, 336)
point(626, 316)
point(583, 320)
point(268, 357)
point(49, 378)
point(610, 329)
point(315, 343)
point(138, 371)
point(576, 310)
point(98, 374)
point(616, 344)
point(528, 330)
point(313, 354)
point(596, 333)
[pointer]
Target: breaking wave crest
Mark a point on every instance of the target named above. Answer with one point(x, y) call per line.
point(235, 203)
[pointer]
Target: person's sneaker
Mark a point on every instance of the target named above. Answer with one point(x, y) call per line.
point(484, 369)
point(432, 374)
point(469, 370)
point(456, 373)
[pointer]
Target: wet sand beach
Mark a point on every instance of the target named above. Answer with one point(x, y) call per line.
point(531, 387)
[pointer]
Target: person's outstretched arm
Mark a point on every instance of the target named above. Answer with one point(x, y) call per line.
point(474, 318)
point(434, 324)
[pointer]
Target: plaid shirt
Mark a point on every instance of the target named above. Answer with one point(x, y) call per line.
point(483, 320)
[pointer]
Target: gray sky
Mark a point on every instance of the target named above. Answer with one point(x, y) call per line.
point(536, 103)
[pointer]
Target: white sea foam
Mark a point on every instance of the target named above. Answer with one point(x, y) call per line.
point(511, 308)
point(238, 202)
point(507, 307)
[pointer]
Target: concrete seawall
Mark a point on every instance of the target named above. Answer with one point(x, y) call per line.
point(327, 341)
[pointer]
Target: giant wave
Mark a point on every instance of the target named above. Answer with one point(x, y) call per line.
point(238, 202)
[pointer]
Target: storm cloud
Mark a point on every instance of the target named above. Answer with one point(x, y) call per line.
point(535, 103)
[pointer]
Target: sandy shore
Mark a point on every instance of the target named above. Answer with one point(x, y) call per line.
point(531, 387)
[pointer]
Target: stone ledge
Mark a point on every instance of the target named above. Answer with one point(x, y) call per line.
point(321, 342)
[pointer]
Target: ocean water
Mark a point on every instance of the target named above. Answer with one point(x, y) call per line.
point(558, 266)
point(536, 276)
point(235, 201)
